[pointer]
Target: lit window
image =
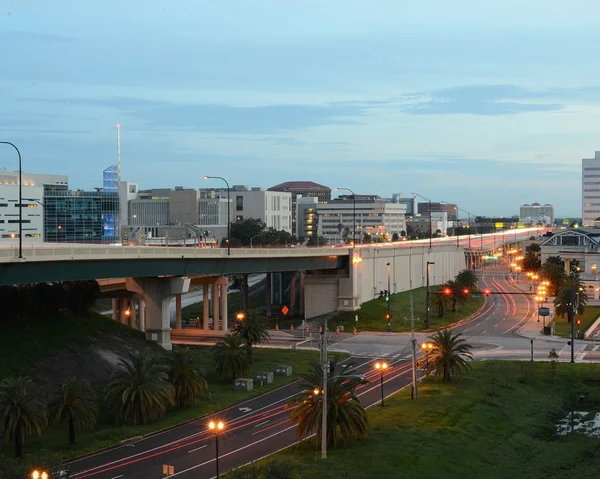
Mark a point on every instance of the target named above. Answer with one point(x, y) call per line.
point(594, 268)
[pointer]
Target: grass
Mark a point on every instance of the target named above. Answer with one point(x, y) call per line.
point(563, 327)
point(371, 315)
point(498, 421)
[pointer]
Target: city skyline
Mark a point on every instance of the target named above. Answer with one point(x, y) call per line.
point(465, 104)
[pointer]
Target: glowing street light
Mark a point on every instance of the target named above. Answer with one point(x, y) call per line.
point(39, 475)
point(216, 429)
point(381, 367)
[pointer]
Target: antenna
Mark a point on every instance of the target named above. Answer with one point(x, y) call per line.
point(119, 180)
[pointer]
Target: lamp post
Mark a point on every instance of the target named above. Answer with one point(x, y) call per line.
point(228, 211)
point(572, 308)
point(427, 347)
point(429, 263)
point(255, 236)
point(389, 299)
point(353, 213)
point(430, 222)
point(39, 475)
point(532, 349)
point(381, 367)
point(20, 198)
point(216, 429)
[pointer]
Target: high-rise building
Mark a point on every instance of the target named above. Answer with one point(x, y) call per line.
point(590, 190)
point(110, 184)
point(411, 203)
point(303, 188)
point(128, 191)
point(426, 208)
point(272, 207)
point(537, 214)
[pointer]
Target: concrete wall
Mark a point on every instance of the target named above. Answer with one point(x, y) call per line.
point(325, 293)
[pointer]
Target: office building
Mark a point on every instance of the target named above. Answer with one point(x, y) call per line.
point(128, 191)
point(213, 217)
point(183, 206)
point(421, 225)
point(426, 208)
point(81, 216)
point(307, 217)
point(272, 207)
point(536, 214)
point(148, 212)
point(590, 169)
point(411, 203)
point(304, 189)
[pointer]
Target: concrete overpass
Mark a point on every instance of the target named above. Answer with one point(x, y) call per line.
point(329, 279)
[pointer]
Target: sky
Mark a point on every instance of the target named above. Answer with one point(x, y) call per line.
point(486, 104)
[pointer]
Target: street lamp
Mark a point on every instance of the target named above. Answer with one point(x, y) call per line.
point(430, 223)
point(389, 299)
point(574, 271)
point(20, 198)
point(429, 263)
point(255, 236)
point(381, 367)
point(216, 429)
point(228, 211)
point(353, 213)
point(427, 347)
point(39, 475)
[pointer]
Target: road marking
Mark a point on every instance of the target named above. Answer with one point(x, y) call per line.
point(245, 409)
point(484, 332)
point(198, 448)
point(117, 477)
point(262, 423)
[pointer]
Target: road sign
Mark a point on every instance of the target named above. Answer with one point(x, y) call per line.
point(475, 295)
point(285, 310)
point(544, 312)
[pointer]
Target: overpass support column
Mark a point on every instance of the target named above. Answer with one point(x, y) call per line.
point(245, 289)
point(132, 313)
point(215, 303)
point(124, 306)
point(268, 294)
point(157, 293)
point(292, 292)
point(142, 315)
point(177, 311)
point(115, 305)
point(223, 287)
point(205, 314)
point(302, 275)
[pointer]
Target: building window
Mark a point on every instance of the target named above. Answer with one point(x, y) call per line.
point(16, 221)
point(593, 268)
point(33, 235)
point(239, 203)
point(11, 235)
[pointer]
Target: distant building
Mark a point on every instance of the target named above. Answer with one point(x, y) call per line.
point(426, 208)
point(128, 192)
point(420, 224)
point(411, 203)
point(537, 214)
point(304, 189)
point(148, 212)
point(307, 217)
point(272, 207)
point(110, 184)
point(590, 179)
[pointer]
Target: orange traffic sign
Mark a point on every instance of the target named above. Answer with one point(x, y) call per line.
point(285, 310)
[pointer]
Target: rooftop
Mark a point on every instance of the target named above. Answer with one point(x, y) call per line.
point(299, 185)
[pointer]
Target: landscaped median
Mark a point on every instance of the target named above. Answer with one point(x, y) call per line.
point(372, 314)
point(500, 420)
point(563, 327)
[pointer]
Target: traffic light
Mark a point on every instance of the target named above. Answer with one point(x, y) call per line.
point(465, 291)
point(447, 291)
point(388, 316)
point(578, 322)
point(486, 291)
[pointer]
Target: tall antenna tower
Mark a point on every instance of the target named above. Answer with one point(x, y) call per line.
point(119, 181)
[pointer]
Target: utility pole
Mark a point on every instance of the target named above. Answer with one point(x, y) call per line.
point(413, 340)
point(324, 395)
point(573, 308)
point(427, 306)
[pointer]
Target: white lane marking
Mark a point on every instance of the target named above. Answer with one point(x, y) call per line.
point(484, 332)
point(117, 477)
point(262, 423)
point(198, 448)
point(564, 347)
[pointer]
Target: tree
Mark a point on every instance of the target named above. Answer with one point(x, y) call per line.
point(244, 230)
point(346, 235)
point(186, 376)
point(403, 234)
point(316, 240)
point(531, 262)
point(252, 330)
point(554, 271)
point(467, 278)
point(449, 356)
point(441, 301)
point(139, 391)
point(534, 248)
point(562, 302)
point(345, 412)
point(230, 357)
point(395, 237)
point(23, 412)
point(366, 238)
point(553, 355)
point(75, 401)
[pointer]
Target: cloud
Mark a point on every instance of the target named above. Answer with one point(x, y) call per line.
point(486, 100)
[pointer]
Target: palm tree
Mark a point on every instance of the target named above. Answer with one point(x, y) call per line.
point(230, 357)
point(441, 301)
point(554, 271)
point(74, 400)
point(562, 302)
point(345, 412)
point(139, 391)
point(467, 278)
point(252, 330)
point(23, 411)
point(186, 376)
point(449, 355)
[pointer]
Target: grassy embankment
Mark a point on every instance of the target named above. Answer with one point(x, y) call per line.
point(563, 327)
point(29, 344)
point(499, 421)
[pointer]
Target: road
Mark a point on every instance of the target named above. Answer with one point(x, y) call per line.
point(261, 426)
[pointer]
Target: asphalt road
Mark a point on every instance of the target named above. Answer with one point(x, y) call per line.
point(253, 430)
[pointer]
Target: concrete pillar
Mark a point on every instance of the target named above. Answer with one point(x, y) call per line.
point(115, 305)
point(177, 311)
point(122, 309)
point(142, 315)
point(133, 315)
point(245, 289)
point(292, 292)
point(157, 293)
point(215, 303)
point(301, 305)
point(205, 299)
point(268, 294)
point(224, 306)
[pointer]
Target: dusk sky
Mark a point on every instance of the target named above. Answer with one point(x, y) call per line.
point(490, 104)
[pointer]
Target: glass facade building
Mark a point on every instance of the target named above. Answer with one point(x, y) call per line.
point(81, 216)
